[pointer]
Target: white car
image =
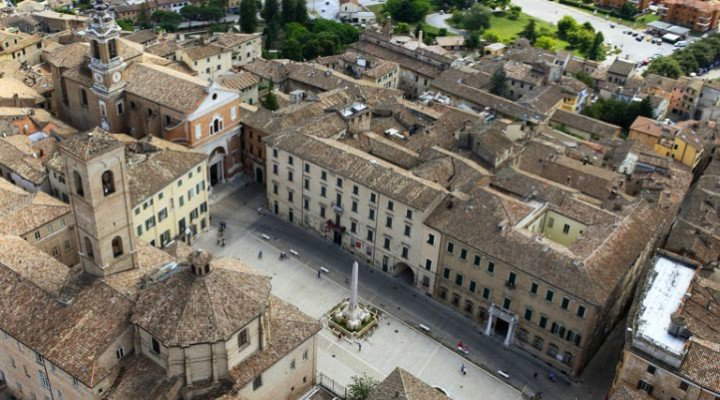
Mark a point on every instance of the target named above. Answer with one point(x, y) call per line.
point(682, 43)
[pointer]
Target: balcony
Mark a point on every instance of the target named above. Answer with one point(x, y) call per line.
point(338, 208)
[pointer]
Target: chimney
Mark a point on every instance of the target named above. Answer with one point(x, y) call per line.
point(200, 262)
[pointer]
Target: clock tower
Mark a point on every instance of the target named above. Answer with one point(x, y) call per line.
point(107, 66)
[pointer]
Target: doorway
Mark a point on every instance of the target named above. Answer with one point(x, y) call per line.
point(501, 327)
point(258, 175)
point(214, 174)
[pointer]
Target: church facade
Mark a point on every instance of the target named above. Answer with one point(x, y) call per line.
point(112, 83)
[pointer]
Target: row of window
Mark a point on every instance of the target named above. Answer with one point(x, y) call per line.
point(193, 191)
point(339, 182)
point(511, 282)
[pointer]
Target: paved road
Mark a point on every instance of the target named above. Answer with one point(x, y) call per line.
point(403, 301)
point(440, 21)
point(552, 12)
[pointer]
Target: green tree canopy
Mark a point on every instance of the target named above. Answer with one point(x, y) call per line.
point(270, 101)
point(529, 31)
point(477, 18)
point(248, 16)
point(498, 82)
point(361, 387)
point(167, 20)
point(410, 11)
point(301, 14)
point(271, 11)
point(566, 25)
point(288, 11)
point(597, 48)
point(665, 66)
point(619, 112)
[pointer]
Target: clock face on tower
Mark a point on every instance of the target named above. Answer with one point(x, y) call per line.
point(98, 77)
point(116, 77)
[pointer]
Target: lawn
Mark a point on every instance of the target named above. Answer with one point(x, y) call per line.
point(506, 29)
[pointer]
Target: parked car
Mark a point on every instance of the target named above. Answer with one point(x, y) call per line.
point(612, 26)
point(682, 43)
point(639, 38)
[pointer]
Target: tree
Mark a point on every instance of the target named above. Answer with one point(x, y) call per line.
point(597, 49)
point(248, 16)
point(288, 11)
point(401, 28)
point(361, 387)
point(271, 11)
point(491, 37)
point(167, 20)
point(126, 24)
point(627, 11)
point(271, 32)
point(498, 82)
point(293, 50)
point(665, 66)
point(473, 41)
point(410, 11)
point(514, 12)
point(546, 42)
point(301, 14)
point(270, 101)
point(529, 32)
point(565, 26)
point(477, 18)
point(619, 112)
point(585, 78)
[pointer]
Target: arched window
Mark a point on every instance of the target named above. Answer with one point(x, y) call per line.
point(89, 248)
point(216, 126)
point(78, 184)
point(108, 183)
point(117, 247)
point(112, 47)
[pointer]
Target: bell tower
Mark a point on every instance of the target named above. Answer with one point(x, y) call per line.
point(96, 174)
point(107, 65)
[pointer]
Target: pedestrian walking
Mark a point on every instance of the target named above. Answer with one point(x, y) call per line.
point(359, 346)
point(535, 375)
point(260, 254)
point(222, 242)
point(319, 272)
point(462, 369)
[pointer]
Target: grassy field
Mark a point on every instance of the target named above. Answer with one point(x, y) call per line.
point(506, 29)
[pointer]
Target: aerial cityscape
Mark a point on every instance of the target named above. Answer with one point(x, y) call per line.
point(359, 199)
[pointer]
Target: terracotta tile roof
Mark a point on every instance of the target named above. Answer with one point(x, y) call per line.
point(702, 362)
point(22, 163)
point(149, 259)
point(290, 327)
point(165, 48)
point(142, 37)
point(33, 264)
point(584, 123)
point(22, 212)
point(149, 172)
point(405, 61)
point(400, 384)
point(589, 268)
point(267, 69)
point(90, 144)
point(143, 379)
point(165, 86)
point(200, 52)
point(465, 86)
point(238, 81)
point(378, 175)
point(230, 40)
point(652, 127)
point(185, 309)
point(621, 67)
point(70, 336)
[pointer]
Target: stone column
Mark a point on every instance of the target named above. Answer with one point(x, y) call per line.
point(354, 292)
point(491, 317)
point(511, 332)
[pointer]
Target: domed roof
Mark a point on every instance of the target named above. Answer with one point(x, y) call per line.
point(187, 308)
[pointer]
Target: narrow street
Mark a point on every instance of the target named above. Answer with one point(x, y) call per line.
point(239, 211)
